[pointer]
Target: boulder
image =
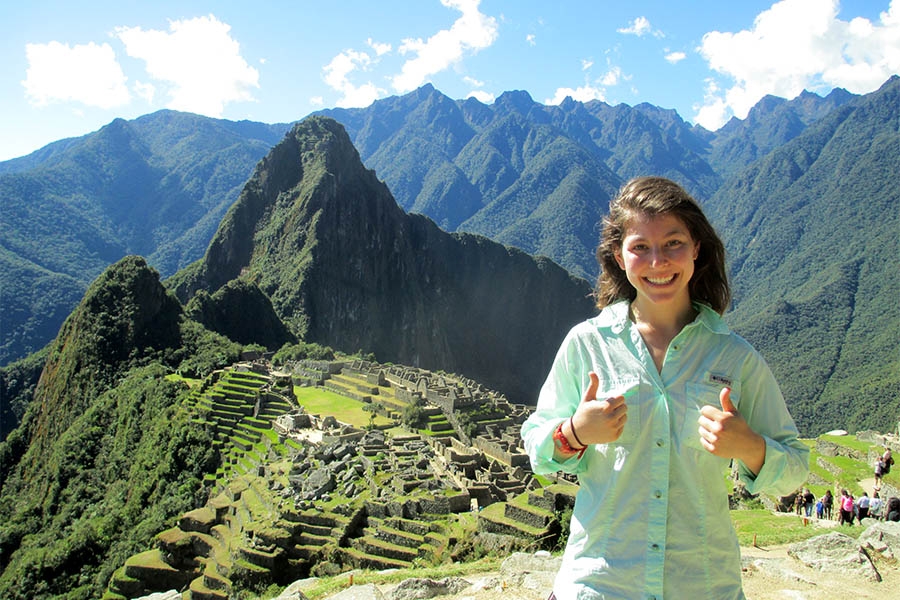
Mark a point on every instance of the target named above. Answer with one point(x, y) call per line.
point(835, 552)
point(531, 571)
point(883, 538)
point(420, 589)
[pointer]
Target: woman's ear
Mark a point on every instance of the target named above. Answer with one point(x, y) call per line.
point(696, 250)
point(617, 254)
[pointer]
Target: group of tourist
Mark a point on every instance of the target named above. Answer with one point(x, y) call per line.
point(850, 508)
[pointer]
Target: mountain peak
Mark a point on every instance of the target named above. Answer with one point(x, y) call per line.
point(519, 100)
point(126, 315)
point(344, 266)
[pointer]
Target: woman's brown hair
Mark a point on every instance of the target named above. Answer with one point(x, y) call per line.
point(654, 196)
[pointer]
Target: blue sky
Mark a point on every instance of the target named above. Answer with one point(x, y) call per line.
point(69, 68)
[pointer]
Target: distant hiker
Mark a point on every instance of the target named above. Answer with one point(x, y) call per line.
point(820, 509)
point(876, 506)
point(828, 504)
point(888, 460)
point(649, 401)
point(846, 508)
point(798, 503)
point(808, 500)
point(863, 506)
point(879, 471)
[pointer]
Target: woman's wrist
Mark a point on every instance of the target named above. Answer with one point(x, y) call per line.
point(562, 443)
point(581, 445)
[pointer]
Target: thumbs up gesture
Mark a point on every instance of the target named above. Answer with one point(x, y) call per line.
point(725, 433)
point(599, 421)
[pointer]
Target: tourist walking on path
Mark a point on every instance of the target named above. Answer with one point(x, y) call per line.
point(828, 504)
point(863, 506)
point(876, 506)
point(808, 501)
point(846, 508)
point(649, 401)
point(879, 472)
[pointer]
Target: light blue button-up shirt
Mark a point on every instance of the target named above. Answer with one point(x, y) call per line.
point(651, 516)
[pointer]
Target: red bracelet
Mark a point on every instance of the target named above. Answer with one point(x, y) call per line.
point(562, 443)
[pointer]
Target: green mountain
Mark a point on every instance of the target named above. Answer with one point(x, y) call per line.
point(109, 450)
point(156, 186)
point(813, 233)
point(345, 267)
point(104, 458)
point(532, 176)
point(537, 178)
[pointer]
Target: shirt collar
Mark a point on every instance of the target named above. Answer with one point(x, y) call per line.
point(615, 318)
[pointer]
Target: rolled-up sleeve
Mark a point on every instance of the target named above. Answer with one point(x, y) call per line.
point(787, 458)
point(558, 399)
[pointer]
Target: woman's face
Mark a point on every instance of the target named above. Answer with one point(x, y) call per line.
point(658, 255)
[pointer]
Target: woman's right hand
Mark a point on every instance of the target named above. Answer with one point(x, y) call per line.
point(599, 421)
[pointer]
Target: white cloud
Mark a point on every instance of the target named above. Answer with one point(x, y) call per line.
point(481, 96)
point(675, 57)
point(378, 47)
point(585, 93)
point(89, 74)
point(595, 89)
point(317, 101)
point(797, 45)
point(198, 60)
point(337, 76)
point(471, 32)
point(612, 77)
point(147, 91)
point(531, 39)
point(640, 27)
point(473, 82)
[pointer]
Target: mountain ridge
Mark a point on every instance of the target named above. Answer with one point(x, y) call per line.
point(344, 266)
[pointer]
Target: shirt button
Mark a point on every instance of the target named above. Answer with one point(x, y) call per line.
point(657, 494)
point(660, 442)
point(654, 547)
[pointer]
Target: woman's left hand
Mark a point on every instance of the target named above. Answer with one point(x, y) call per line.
point(725, 433)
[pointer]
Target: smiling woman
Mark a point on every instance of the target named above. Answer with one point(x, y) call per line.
point(651, 501)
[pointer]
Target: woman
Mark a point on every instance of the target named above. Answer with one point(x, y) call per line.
point(650, 400)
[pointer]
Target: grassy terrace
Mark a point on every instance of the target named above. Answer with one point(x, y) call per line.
point(347, 410)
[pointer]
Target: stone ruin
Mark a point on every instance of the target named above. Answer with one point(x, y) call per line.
point(266, 526)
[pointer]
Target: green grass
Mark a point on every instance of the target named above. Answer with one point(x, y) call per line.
point(346, 410)
point(190, 381)
point(848, 441)
point(331, 585)
point(771, 529)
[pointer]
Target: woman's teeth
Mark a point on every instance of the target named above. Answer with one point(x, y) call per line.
point(660, 280)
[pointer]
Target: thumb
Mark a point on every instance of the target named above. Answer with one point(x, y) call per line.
point(591, 392)
point(725, 399)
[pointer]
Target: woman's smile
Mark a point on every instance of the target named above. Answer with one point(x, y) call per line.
point(658, 256)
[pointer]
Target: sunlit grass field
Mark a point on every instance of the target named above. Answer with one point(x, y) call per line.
point(317, 401)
